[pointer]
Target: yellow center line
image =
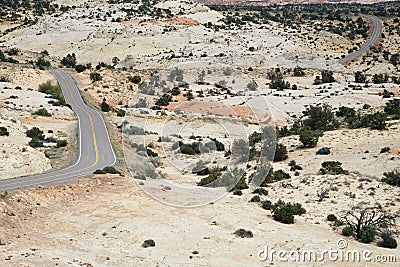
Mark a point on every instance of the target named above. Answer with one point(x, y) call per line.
point(94, 144)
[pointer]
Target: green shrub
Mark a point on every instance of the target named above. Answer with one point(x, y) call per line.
point(42, 112)
point(121, 113)
point(360, 77)
point(320, 118)
point(274, 176)
point(392, 178)
point(385, 149)
point(35, 143)
point(326, 77)
point(62, 143)
point(240, 185)
point(35, 133)
point(331, 218)
point(280, 175)
point(237, 192)
point(4, 131)
point(347, 231)
point(189, 95)
point(201, 168)
point(175, 91)
point(294, 166)
point(54, 91)
point(134, 130)
point(254, 138)
point(346, 112)
point(380, 78)
point(261, 191)
point(298, 72)
point(375, 121)
point(243, 233)
point(164, 100)
point(104, 106)
point(95, 76)
point(80, 68)
point(308, 138)
point(255, 198)
point(111, 170)
point(233, 180)
point(284, 212)
point(99, 172)
point(332, 167)
point(387, 241)
point(149, 243)
point(135, 79)
point(43, 64)
point(209, 179)
point(151, 153)
point(69, 61)
point(219, 145)
point(266, 204)
point(393, 107)
point(280, 153)
point(367, 235)
point(189, 149)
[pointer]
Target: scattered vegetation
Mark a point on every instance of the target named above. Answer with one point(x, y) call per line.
point(4, 131)
point(261, 191)
point(392, 178)
point(95, 76)
point(364, 222)
point(326, 77)
point(308, 137)
point(332, 167)
point(320, 118)
point(61, 143)
point(284, 212)
point(347, 231)
point(280, 153)
point(54, 91)
point(136, 79)
point(37, 137)
point(69, 61)
point(42, 112)
point(387, 241)
point(243, 233)
point(104, 106)
point(108, 169)
point(148, 243)
point(331, 218)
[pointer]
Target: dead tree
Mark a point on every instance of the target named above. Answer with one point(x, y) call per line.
point(362, 218)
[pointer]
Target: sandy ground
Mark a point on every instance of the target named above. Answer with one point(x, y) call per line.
point(72, 225)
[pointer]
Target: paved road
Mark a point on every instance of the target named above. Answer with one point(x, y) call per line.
point(94, 148)
point(370, 42)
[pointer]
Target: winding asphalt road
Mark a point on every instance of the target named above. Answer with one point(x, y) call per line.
point(370, 42)
point(94, 148)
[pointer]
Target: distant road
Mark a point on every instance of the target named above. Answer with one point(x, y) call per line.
point(370, 42)
point(94, 148)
